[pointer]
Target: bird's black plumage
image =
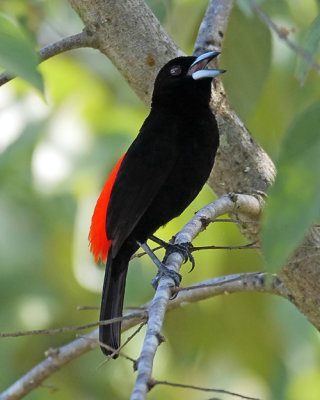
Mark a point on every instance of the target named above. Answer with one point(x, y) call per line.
point(162, 172)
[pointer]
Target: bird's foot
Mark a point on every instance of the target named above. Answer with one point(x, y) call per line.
point(164, 271)
point(184, 249)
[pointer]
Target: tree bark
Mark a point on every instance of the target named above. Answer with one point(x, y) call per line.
point(129, 34)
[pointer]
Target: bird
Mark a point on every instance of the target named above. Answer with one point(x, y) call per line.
point(161, 173)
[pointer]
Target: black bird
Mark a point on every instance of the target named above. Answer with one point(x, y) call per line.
point(162, 172)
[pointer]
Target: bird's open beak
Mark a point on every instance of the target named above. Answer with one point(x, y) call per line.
point(197, 69)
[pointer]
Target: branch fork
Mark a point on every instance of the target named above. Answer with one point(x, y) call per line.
point(160, 302)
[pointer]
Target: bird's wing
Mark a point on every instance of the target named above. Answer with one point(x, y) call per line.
point(144, 169)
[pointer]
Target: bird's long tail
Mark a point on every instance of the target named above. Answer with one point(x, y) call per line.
point(112, 301)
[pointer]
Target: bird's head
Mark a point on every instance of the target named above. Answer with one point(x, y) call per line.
point(185, 79)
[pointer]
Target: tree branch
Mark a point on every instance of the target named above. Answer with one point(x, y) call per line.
point(82, 39)
point(154, 382)
point(55, 360)
point(58, 358)
point(242, 166)
point(248, 282)
point(159, 304)
point(130, 35)
point(77, 41)
point(213, 26)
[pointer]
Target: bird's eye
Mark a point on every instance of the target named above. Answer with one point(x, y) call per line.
point(175, 71)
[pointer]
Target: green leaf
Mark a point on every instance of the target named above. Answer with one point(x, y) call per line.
point(17, 54)
point(294, 199)
point(249, 64)
point(312, 46)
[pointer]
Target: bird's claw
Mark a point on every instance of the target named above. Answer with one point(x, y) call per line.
point(164, 271)
point(184, 249)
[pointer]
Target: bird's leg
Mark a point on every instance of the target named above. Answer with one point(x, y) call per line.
point(163, 270)
point(184, 249)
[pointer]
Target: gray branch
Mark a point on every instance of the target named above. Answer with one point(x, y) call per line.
point(54, 361)
point(159, 304)
point(213, 26)
point(77, 41)
point(58, 358)
point(130, 35)
point(247, 282)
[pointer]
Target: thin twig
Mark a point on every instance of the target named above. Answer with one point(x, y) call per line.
point(118, 351)
point(66, 329)
point(243, 247)
point(143, 253)
point(85, 308)
point(81, 39)
point(284, 36)
point(232, 220)
point(154, 382)
point(49, 386)
point(115, 351)
point(98, 343)
point(90, 308)
point(236, 221)
point(251, 281)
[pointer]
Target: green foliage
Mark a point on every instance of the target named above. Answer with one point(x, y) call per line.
point(17, 54)
point(293, 203)
point(247, 56)
point(311, 46)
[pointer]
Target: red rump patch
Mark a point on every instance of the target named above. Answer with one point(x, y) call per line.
point(99, 243)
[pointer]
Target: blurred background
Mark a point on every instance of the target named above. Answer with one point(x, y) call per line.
point(55, 155)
